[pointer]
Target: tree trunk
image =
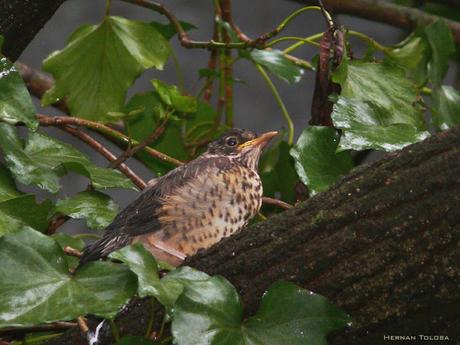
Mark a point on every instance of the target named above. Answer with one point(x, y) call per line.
point(20, 21)
point(383, 244)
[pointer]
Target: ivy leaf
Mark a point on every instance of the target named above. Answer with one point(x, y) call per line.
point(413, 54)
point(316, 161)
point(151, 109)
point(277, 172)
point(15, 102)
point(210, 313)
point(171, 96)
point(143, 264)
point(37, 287)
point(169, 30)
point(42, 160)
point(101, 62)
point(65, 240)
point(446, 107)
point(364, 127)
point(277, 63)
point(377, 105)
point(7, 186)
point(97, 208)
point(442, 45)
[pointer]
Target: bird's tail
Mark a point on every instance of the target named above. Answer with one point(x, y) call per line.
point(103, 247)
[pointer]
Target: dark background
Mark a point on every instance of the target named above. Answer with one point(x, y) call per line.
point(255, 107)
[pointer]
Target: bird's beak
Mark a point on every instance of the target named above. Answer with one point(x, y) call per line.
point(260, 141)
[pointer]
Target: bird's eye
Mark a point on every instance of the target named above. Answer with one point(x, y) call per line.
point(232, 141)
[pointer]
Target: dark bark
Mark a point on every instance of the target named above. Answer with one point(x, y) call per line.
point(383, 244)
point(20, 21)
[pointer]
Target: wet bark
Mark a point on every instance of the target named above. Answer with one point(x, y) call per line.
point(21, 20)
point(383, 244)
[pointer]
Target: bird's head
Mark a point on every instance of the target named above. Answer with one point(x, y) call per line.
point(243, 145)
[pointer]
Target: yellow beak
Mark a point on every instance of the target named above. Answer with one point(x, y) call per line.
point(261, 140)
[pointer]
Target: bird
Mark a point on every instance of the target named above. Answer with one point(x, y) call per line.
point(194, 205)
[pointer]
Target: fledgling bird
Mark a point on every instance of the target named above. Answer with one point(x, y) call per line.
point(193, 206)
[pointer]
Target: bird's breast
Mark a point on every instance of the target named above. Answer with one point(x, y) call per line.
point(210, 207)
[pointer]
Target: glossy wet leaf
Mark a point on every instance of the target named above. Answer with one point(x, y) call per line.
point(101, 62)
point(8, 188)
point(151, 109)
point(442, 45)
point(377, 107)
point(277, 63)
point(317, 161)
point(15, 102)
point(171, 96)
point(413, 54)
point(97, 208)
point(65, 240)
point(37, 287)
point(277, 171)
point(364, 127)
point(24, 211)
point(211, 313)
point(169, 30)
point(41, 160)
point(446, 107)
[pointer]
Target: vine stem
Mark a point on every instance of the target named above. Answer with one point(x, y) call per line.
point(293, 38)
point(306, 40)
point(108, 5)
point(280, 103)
point(368, 40)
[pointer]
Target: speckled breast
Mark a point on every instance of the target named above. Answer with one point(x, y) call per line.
point(209, 207)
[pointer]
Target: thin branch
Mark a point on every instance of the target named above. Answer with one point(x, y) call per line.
point(276, 202)
point(82, 324)
point(387, 12)
point(212, 63)
point(105, 131)
point(72, 251)
point(55, 326)
point(227, 70)
point(131, 151)
point(56, 222)
point(106, 153)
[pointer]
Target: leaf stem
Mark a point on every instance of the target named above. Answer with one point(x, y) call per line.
point(368, 40)
point(108, 5)
point(115, 331)
point(151, 318)
point(308, 39)
point(293, 38)
point(280, 103)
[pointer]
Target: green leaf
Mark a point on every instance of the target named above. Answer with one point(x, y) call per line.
point(446, 107)
point(101, 62)
point(169, 30)
point(413, 54)
point(442, 46)
point(37, 287)
point(210, 313)
point(316, 161)
point(42, 160)
point(171, 96)
point(276, 169)
point(277, 63)
point(97, 208)
point(23, 211)
point(7, 186)
point(146, 122)
point(364, 127)
point(143, 264)
point(377, 107)
point(65, 240)
point(15, 102)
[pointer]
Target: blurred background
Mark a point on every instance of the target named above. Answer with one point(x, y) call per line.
point(255, 107)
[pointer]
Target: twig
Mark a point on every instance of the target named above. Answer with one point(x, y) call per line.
point(276, 202)
point(387, 12)
point(212, 64)
point(144, 143)
point(39, 328)
point(56, 222)
point(82, 324)
point(72, 251)
point(106, 153)
point(227, 70)
point(104, 130)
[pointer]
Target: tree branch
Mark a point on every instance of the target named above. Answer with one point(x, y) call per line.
point(386, 12)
